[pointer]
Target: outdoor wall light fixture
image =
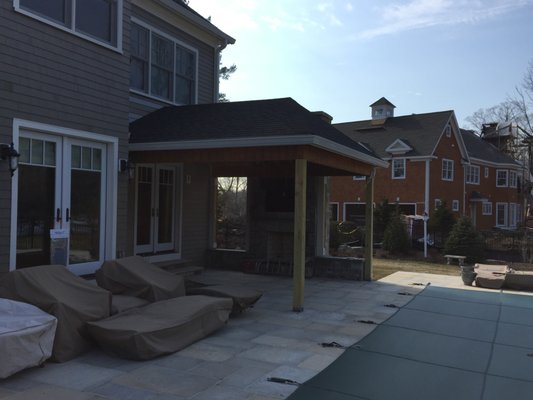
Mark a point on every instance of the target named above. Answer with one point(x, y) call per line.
point(126, 166)
point(8, 152)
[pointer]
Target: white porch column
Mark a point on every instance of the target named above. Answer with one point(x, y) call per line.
point(369, 228)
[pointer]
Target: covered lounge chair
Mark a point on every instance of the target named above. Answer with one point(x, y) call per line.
point(160, 328)
point(133, 276)
point(69, 298)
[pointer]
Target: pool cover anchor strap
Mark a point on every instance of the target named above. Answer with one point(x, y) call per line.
point(367, 321)
point(283, 381)
point(333, 344)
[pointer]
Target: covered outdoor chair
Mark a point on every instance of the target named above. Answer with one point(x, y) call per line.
point(133, 276)
point(69, 298)
point(26, 336)
point(160, 328)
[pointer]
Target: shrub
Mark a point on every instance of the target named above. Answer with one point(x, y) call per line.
point(396, 238)
point(464, 240)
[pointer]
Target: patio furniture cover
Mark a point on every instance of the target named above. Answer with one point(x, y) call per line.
point(160, 328)
point(71, 299)
point(26, 336)
point(242, 297)
point(133, 276)
point(519, 280)
point(121, 303)
point(490, 276)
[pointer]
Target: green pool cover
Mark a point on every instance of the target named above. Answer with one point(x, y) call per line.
point(448, 344)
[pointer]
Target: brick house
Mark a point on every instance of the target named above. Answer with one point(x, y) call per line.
point(431, 160)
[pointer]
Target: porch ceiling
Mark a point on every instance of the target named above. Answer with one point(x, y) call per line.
point(260, 161)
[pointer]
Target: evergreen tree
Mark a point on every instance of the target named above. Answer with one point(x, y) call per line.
point(464, 240)
point(396, 238)
point(382, 216)
point(441, 223)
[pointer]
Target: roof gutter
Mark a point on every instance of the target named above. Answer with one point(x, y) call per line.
point(290, 140)
point(198, 20)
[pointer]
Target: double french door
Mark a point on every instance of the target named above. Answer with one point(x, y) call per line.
point(156, 205)
point(61, 185)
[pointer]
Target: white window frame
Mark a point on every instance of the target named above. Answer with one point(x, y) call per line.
point(455, 205)
point(71, 27)
point(502, 171)
point(472, 174)
point(152, 30)
point(438, 202)
point(513, 178)
point(393, 168)
point(448, 131)
point(504, 213)
point(447, 170)
point(486, 172)
point(487, 208)
point(512, 215)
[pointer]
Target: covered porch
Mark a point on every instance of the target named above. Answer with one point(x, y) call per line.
point(267, 142)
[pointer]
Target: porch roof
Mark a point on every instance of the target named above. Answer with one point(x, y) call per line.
point(270, 130)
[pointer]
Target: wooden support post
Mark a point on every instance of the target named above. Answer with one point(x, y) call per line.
point(300, 191)
point(369, 228)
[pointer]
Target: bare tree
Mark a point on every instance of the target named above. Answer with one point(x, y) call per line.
point(523, 100)
point(503, 112)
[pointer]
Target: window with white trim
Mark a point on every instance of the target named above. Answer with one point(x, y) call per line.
point(487, 208)
point(447, 170)
point(398, 168)
point(97, 20)
point(438, 202)
point(512, 179)
point(486, 172)
point(512, 215)
point(448, 131)
point(455, 205)
point(472, 174)
point(501, 178)
point(501, 214)
point(162, 67)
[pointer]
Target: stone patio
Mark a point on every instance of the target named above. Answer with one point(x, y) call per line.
point(235, 363)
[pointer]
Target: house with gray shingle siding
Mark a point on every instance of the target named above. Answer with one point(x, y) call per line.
point(73, 75)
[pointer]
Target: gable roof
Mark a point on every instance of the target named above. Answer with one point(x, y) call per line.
point(382, 102)
point(482, 150)
point(420, 131)
point(258, 123)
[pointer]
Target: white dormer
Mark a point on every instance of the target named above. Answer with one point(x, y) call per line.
point(382, 109)
point(398, 147)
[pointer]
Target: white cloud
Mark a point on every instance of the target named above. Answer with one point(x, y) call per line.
point(416, 14)
point(349, 7)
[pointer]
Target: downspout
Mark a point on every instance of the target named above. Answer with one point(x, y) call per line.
point(426, 209)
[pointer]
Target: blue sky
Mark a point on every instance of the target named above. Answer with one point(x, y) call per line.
point(340, 56)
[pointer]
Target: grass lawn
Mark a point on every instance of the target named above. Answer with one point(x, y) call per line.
point(387, 266)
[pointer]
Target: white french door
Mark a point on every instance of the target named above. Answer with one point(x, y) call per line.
point(155, 205)
point(61, 185)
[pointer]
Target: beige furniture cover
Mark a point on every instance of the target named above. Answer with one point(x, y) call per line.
point(26, 336)
point(160, 328)
point(491, 276)
point(519, 280)
point(71, 299)
point(242, 297)
point(133, 276)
